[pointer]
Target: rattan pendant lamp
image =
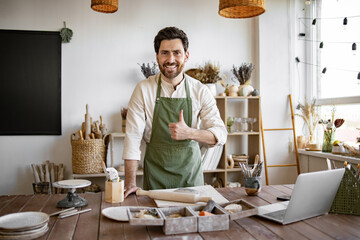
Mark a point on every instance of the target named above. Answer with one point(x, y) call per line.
point(241, 8)
point(105, 6)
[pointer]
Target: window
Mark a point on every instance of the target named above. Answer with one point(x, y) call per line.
point(336, 65)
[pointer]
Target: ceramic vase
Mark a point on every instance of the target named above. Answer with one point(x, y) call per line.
point(233, 91)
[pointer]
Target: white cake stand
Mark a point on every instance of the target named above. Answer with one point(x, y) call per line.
point(72, 199)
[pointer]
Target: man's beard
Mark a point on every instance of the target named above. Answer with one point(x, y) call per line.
point(171, 75)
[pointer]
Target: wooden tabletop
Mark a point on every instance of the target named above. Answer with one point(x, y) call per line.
point(92, 225)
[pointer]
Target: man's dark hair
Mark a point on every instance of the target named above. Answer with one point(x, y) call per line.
point(170, 33)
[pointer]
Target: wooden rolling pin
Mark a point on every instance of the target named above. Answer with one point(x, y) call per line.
point(87, 124)
point(173, 196)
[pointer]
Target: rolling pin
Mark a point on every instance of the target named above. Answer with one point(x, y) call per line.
point(87, 124)
point(97, 131)
point(173, 196)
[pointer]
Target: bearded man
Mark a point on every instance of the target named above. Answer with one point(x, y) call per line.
point(165, 110)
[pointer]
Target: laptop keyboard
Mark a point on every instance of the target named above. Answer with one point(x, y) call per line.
point(278, 215)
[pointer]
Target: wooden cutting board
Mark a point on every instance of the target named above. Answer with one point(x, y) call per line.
point(206, 190)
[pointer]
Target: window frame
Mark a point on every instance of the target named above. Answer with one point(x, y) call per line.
point(314, 71)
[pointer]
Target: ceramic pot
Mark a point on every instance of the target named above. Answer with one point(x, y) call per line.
point(239, 89)
point(300, 140)
point(252, 185)
point(233, 91)
point(246, 91)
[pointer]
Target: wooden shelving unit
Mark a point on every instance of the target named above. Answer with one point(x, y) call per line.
point(94, 175)
point(237, 142)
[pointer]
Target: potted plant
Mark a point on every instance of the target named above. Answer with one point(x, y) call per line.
point(148, 70)
point(330, 127)
point(208, 75)
point(243, 75)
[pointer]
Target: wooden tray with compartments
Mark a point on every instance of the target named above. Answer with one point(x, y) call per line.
point(188, 219)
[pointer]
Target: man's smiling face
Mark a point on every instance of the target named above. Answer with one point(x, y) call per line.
point(171, 58)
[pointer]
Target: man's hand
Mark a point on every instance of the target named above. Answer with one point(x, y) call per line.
point(130, 189)
point(130, 177)
point(179, 130)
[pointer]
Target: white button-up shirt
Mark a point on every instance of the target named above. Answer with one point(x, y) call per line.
point(141, 111)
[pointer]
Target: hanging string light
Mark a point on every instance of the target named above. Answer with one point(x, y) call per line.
point(344, 19)
point(324, 70)
point(345, 22)
point(314, 22)
point(353, 47)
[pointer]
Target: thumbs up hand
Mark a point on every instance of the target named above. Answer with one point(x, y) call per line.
point(179, 130)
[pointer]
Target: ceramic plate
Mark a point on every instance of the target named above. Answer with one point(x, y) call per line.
point(23, 220)
point(72, 183)
point(32, 230)
point(117, 213)
point(26, 236)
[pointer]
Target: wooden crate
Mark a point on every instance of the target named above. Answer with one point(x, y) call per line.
point(186, 224)
point(218, 222)
point(247, 209)
point(142, 221)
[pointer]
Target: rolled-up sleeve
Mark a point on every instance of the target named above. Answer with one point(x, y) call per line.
point(135, 125)
point(211, 120)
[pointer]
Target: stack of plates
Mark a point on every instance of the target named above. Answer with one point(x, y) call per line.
point(23, 225)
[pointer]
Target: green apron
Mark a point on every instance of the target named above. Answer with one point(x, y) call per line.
point(170, 163)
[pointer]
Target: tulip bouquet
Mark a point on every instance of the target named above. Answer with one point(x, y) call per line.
point(330, 127)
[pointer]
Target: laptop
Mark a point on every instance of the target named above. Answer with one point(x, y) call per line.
point(312, 196)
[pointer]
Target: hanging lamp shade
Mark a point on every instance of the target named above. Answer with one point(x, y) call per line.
point(241, 8)
point(105, 6)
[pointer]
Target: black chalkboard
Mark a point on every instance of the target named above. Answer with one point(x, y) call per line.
point(30, 82)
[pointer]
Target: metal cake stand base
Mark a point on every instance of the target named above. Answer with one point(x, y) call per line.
point(72, 199)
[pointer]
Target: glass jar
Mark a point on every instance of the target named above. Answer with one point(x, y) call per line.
point(328, 140)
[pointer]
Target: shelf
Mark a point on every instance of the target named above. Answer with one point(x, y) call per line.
point(213, 171)
point(91, 175)
point(337, 157)
point(243, 133)
point(237, 97)
point(234, 169)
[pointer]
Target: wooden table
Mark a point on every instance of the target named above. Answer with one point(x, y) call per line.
point(93, 225)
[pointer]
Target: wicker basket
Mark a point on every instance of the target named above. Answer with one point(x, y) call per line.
point(87, 155)
point(347, 199)
point(241, 8)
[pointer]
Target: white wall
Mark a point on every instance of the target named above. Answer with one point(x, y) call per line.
point(277, 81)
point(99, 65)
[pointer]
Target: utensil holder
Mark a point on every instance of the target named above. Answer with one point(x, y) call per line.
point(114, 192)
point(41, 188)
